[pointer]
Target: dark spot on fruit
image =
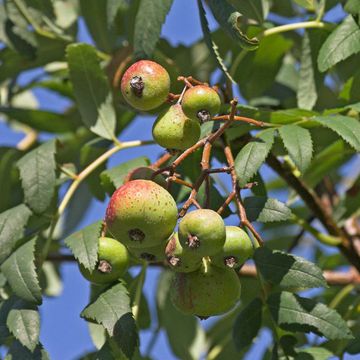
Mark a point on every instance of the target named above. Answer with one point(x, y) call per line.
point(193, 242)
point(203, 116)
point(136, 235)
point(174, 261)
point(104, 267)
point(137, 85)
point(230, 261)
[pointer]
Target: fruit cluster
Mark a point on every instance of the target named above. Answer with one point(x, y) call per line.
point(142, 215)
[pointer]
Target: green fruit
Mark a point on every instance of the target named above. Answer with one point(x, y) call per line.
point(141, 214)
point(150, 254)
point(145, 85)
point(180, 259)
point(236, 250)
point(145, 173)
point(207, 292)
point(201, 103)
point(203, 232)
point(174, 130)
point(113, 261)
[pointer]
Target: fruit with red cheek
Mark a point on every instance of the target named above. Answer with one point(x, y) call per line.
point(181, 259)
point(201, 103)
point(236, 250)
point(203, 232)
point(145, 85)
point(145, 173)
point(141, 213)
point(174, 130)
point(113, 261)
point(207, 292)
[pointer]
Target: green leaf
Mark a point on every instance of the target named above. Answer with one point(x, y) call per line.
point(41, 120)
point(252, 156)
point(213, 48)
point(343, 42)
point(148, 23)
point(307, 4)
point(298, 143)
point(346, 127)
point(264, 209)
point(95, 14)
point(37, 172)
point(19, 352)
point(294, 313)
point(251, 9)
point(113, 178)
point(23, 322)
point(314, 353)
point(112, 9)
point(97, 334)
point(91, 89)
point(20, 271)
point(288, 271)
point(352, 7)
point(185, 335)
point(112, 310)
point(12, 225)
point(229, 19)
point(247, 324)
point(84, 244)
point(257, 70)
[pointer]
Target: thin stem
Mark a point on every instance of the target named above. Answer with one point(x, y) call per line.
point(152, 341)
point(139, 287)
point(28, 141)
point(341, 295)
point(295, 26)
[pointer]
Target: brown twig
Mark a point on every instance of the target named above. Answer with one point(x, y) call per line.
point(242, 119)
point(161, 161)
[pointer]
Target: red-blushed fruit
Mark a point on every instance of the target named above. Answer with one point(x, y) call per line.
point(236, 250)
point(113, 261)
point(201, 103)
point(174, 130)
point(181, 259)
point(202, 232)
point(145, 85)
point(207, 292)
point(141, 213)
point(145, 173)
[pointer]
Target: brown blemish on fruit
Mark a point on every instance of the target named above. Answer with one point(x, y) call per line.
point(136, 235)
point(174, 261)
point(230, 261)
point(193, 242)
point(203, 116)
point(137, 85)
point(104, 267)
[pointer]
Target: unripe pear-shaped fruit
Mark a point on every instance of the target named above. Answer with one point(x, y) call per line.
point(113, 261)
point(149, 254)
point(141, 213)
point(236, 250)
point(181, 259)
point(203, 232)
point(201, 103)
point(174, 130)
point(145, 173)
point(145, 85)
point(207, 292)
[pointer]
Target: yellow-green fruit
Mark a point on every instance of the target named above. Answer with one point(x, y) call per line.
point(145, 173)
point(180, 259)
point(141, 213)
point(174, 130)
point(207, 292)
point(150, 254)
point(201, 103)
point(145, 85)
point(203, 232)
point(236, 250)
point(113, 261)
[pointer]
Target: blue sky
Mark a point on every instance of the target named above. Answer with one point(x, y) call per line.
point(63, 333)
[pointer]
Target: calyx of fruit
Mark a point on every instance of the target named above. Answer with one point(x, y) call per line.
point(202, 231)
point(207, 292)
point(181, 259)
point(141, 213)
point(236, 250)
point(201, 103)
point(145, 85)
point(113, 261)
point(174, 130)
